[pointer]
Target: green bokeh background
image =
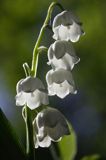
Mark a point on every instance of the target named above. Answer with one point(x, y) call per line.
point(20, 23)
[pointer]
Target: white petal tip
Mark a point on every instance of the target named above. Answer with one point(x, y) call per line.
point(48, 63)
point(17, 104)
point(54, 37)
point(75, 92)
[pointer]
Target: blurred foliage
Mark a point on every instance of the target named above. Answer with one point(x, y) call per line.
point(20, 22)
point(9, 141)
point(92, 157)
point(68, 146)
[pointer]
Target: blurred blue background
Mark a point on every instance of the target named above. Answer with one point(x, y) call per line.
point(20, 23)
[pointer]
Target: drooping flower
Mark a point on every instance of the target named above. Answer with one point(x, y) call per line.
point(31, 91)
point(61, 54)
point(49, 125)
point(60, 82)
point(67, 26)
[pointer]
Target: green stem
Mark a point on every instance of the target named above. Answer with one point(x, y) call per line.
point(35, 51)
point(28, 115)
point(29, 135)
point(26, 69)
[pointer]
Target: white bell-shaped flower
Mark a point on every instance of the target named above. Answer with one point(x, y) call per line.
point(49, 125)
point(61, 54)
point(60, 82)
point(31, 92)
point(67, 26)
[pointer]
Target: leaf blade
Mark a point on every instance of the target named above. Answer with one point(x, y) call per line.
point(10, 146)
point(68, 145)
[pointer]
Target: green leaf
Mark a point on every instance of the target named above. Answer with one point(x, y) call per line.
point(91, 157)
point(68, 146)
point(10, 147)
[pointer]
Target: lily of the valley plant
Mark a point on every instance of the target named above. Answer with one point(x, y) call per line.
point(49, 124)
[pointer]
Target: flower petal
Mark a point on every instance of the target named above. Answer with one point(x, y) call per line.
point(30, 84)
point(64, 18)
point(58, 131)
point(44, 98)
point(33, 100)
point(66, 62)
point(56, 31)
point(61, 54)
point(75, 32)
point(36, 98)
point(20, 99)
point(19, 86)
point(61, 90)
point(55, 128)
point(58, 76)
point(60, 82)
point(63, 33)
point(66, 26)
point(45, 143)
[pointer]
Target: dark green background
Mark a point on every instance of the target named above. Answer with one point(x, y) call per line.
point(20, 23)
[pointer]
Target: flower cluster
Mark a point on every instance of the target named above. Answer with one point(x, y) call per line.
point(31, 92)
point(61, 54)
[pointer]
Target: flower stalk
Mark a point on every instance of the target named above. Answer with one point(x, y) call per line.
point(35, 51)
point(31, 93)
point(29, 135)
point(26, 112)
point(28, 115)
